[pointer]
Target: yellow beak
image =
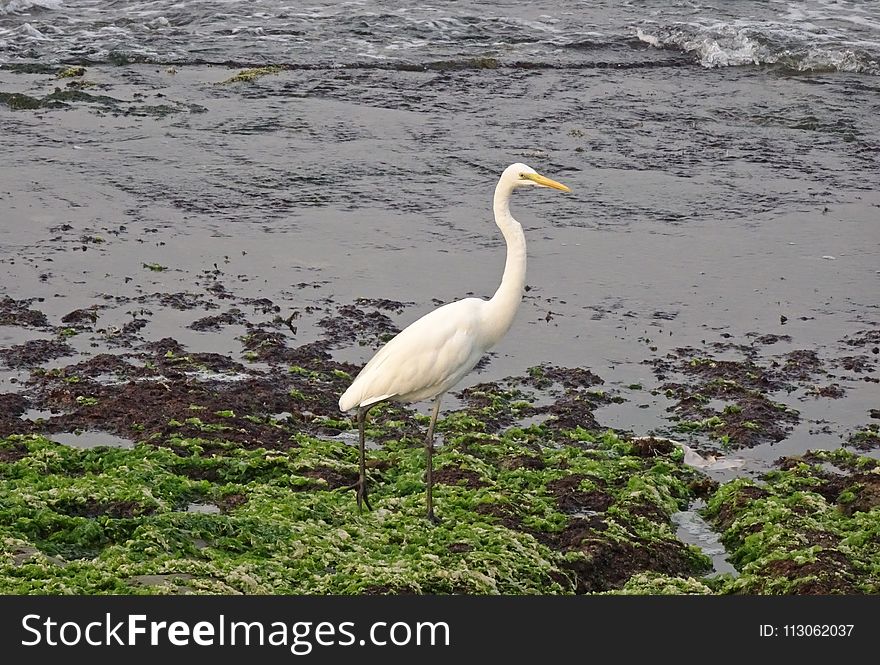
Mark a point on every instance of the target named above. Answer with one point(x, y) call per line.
point(545, 182)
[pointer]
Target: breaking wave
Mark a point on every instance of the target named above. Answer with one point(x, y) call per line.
point(802, 35)
point(20, 6)
point(731, 45)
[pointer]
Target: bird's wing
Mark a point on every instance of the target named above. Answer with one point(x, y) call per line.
point(426, 358)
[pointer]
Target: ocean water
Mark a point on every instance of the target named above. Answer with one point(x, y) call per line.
point(818, 35)
point(724, 160)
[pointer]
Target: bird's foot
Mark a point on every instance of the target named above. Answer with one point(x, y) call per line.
point(362, 499)
point(432, 518)
point(360, 485)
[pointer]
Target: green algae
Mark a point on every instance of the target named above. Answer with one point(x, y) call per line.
point(749, 416)
point(548, 508)
point(74, 94)
point(456, 65)
point(105, 520)
point(64, 97)
point(59, 98)
point(251, 75)
point(663, 585)
point(18, 101)
point(866, 438)
point(29, 67)
point(71, 72)
point(804, 529)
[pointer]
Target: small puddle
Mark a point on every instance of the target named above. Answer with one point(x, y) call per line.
point(91, 439)
point(204, 508)
point(634, 415)
point(108, 379)
point(38, 414)
point(351, 437)
point(692, 529)
point(539, 419)
point(223, 377)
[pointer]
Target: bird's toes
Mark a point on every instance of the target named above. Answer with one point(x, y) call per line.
point(362, 495)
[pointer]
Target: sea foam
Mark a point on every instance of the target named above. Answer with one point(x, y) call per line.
point(20, 6)
point(728, 45)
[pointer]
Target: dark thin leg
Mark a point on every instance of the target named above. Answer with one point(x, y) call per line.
point(429, 454)
point(361, 483)
point(362, 477)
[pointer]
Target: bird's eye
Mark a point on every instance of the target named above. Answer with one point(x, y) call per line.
point(522, 176)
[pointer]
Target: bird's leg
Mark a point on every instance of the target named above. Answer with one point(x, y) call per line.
point(361, 483)
point(362, 477)
point(429, 454)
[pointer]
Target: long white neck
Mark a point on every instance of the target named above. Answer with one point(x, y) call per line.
point(503, 305)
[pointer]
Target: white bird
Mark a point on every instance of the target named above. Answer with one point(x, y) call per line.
point(435, 352)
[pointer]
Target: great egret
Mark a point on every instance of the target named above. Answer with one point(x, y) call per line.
point(435, 352)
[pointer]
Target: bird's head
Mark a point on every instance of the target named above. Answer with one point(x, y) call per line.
point(520, 175)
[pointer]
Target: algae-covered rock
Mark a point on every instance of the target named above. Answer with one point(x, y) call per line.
point(812, 527)
point(72, 72)
point(242, 487)
point(515, 520)
point(18, 101)
point(250, 75)
point(663, 585)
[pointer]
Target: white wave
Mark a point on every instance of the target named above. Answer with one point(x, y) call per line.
point(30, 31)
point(648, 38)
point(730, 45)
point(19, 6)
point(716, 46)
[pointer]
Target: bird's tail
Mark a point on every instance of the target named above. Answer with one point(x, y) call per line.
point(354, 397)
point(349, 399)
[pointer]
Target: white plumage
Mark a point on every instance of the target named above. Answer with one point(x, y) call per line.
point(435, 352)
point(425, 359)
